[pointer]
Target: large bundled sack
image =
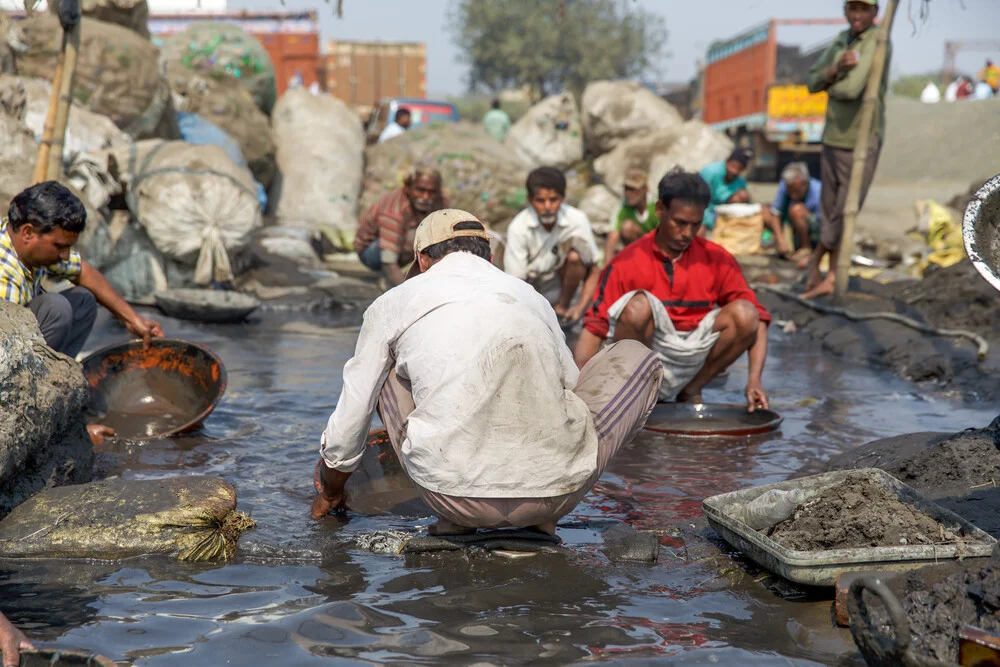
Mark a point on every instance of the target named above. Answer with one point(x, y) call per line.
point(117, 73)
point(43, 440)
point(198, 131)
point(320, 151)
point(615, 110)
point(549, 135)
point(224, 102)
point(190, 517)
point(131, 14)
point(86, 131)
point(480, 175)
point(599, 203)
point(18, 152)
point(124, 254)
point(8, 30)
point(198, 207)
point(637, 151)
point(697, 146)
point(224, 50)
point(738, 228)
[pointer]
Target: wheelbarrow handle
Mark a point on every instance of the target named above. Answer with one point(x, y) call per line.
point(858, 608)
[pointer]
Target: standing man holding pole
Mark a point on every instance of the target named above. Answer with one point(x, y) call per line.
point(852, 137)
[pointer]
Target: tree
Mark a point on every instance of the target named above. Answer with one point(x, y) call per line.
point(551, 45)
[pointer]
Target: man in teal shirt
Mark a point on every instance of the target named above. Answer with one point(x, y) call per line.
point(725, 183)
point(843, 71)
point(496, 122)
point(634, 216)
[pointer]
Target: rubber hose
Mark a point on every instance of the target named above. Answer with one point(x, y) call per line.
point(981, 344)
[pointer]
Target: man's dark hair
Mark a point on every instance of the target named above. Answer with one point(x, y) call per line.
point(547, 178)
point(685, 187)
point(495, 104)
point(471, 244)
point(47, 206)
point(400, 112)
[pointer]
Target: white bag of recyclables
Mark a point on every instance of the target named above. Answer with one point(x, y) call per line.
point(549, 135)
point(196, 204)
point(599, 203)
point(615, 110)
point(697, 146)
point(637, 151)
point(320, 154)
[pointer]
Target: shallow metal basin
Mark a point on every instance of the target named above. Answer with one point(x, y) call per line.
point(166, 390)
point(702, 419)
point(981, 231)
point(205, 305)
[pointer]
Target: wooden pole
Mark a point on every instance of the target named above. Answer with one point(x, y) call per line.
point(71, 49)
point(42, 163)
point(868, 104)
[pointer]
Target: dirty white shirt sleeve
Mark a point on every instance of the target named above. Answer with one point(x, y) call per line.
point(343, 441)
point(583, 230)
point(515, 253)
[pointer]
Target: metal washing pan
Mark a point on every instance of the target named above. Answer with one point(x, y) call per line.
point(822, 567)
point(704, 419)
point(981, 231)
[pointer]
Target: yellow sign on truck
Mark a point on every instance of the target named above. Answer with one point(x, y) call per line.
point(794, 115)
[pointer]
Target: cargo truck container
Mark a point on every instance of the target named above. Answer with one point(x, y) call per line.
point(364, 73)
point(753, 88)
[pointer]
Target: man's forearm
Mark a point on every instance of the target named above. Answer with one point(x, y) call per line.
point(105, 294)
point(393, 273)
point(758, 353)
point(334, 480)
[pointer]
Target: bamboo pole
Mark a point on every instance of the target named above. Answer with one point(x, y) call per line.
point(42, 163)
point(71, 49)
point(853, 203)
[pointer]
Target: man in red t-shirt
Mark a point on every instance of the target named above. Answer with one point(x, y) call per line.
point(684, 297)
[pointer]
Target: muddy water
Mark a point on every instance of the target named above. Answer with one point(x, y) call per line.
point(299, 593)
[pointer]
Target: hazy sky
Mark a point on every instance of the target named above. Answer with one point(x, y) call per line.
point(692, 26)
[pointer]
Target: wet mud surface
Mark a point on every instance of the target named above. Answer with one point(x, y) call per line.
point(858, 513)
point(959, 471)
point(300, 593)
point(939, 604)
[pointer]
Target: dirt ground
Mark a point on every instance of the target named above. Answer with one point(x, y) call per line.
point(857, 513)
point(940, 601)
point(960, 471)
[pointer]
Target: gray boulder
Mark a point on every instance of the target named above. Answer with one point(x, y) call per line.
point(43, 439)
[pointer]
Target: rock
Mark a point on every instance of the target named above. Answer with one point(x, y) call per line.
point(320, 154)
point(549, 135)
point(224, 102)
point(43, 440)
point(190, 517)
point(696, 146)
point(637, 151)
point(292, 243)
point(615, 110)
point(599, 203)
point(118, 73)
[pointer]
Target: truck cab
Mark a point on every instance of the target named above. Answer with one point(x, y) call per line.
point(422, 112)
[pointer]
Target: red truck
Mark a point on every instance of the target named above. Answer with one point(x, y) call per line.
point(753, 88)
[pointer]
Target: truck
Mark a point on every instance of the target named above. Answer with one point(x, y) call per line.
point(753, 89)
point(362, 74)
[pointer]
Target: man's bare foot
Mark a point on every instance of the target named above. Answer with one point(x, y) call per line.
point(685, 397)
point(822, 289)
point(443, 527)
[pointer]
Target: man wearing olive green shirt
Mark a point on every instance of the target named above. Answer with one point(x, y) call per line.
point(843, 72)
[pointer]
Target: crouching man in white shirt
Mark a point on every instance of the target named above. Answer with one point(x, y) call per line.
point(471, 375)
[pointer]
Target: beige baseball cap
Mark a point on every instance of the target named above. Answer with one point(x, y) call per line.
point(635, 178)
point(438, 227)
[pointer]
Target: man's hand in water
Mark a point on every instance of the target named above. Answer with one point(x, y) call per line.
point(330, 484)
point(98, 432)
point(756, 397)
point(144, 329)
point(12, 642)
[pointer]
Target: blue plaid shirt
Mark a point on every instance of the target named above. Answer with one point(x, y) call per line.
point(18, 283)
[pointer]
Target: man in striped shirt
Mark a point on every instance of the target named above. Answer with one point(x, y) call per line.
point(384, 241)
point(36, 241)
